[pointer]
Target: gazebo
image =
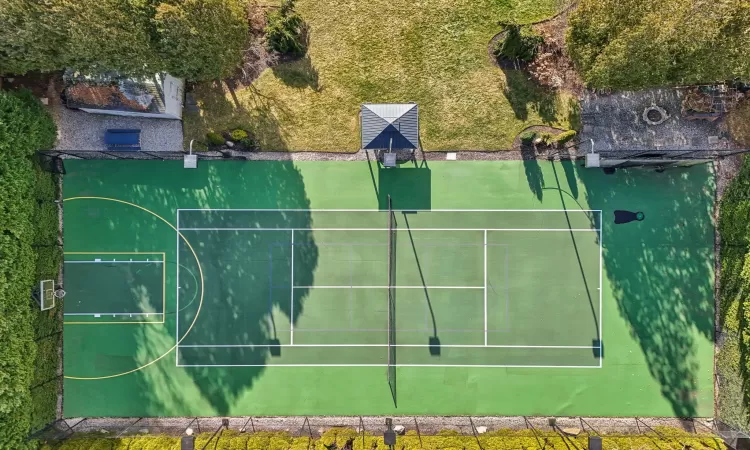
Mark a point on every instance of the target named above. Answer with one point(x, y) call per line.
point(389, 127)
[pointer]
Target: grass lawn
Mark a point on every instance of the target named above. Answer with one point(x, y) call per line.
point(433, 52)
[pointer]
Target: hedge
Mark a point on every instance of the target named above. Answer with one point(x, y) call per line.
point(732, 363)
point(24, 127)
point(496, 440)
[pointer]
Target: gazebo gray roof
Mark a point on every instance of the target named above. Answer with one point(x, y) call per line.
point(390, 125)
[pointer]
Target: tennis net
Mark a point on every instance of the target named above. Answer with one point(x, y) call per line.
point(391, 300)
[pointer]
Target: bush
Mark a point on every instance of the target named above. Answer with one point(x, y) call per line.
point(201, 39)
point(527, 137)
point(214, 138)
point(520, 44)
point(285, 31)
point(547, 138)
point(24, 128)
point(564, 137)
point(249, 143)
point(238, 135)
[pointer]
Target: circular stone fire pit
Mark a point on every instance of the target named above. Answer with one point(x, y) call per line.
point(655, 115)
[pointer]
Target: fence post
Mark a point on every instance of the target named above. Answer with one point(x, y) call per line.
point(474, 431)
point(419, 434)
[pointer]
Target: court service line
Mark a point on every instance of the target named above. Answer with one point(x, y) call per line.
point(291, 306)
point(386, 229)
point(485, 287)
point(479, 366)
point(584, 347)
point(386, 287)
point(385, 211)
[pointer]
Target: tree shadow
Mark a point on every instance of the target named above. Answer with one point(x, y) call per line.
point(533, 171)
point(300, 74)
point(661, 269)
point(224, 107)
point(525, 95)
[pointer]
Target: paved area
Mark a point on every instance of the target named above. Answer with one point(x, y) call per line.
point(78, 130)
point(614, 122)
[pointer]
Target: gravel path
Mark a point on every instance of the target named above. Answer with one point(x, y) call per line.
point(78, 130)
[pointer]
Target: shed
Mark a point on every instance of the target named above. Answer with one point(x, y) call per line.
point(390, 126)
point(157, 96)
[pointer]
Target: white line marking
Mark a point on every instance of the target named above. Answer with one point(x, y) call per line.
point(601, 311)
point(100, 261)
point(485, 288)
point(113, 314)
point(395, 210)
point(386, 287)
point(177, 297)
point(291, 309)
point(479, 366)
point(386, 229)
point(585, 347)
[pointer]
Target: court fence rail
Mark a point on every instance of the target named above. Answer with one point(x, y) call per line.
point(672, 433)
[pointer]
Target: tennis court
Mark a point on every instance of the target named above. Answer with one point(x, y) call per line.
point(341, 288)
point(447, 287)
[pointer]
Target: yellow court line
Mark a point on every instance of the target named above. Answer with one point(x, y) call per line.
point(200, 273)
point(163, 290)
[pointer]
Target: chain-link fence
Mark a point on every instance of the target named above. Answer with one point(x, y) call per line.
point(543, 429)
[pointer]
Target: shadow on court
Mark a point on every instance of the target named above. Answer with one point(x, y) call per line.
point(661, 269)
point(409, 184)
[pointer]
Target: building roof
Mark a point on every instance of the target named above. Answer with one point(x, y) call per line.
point(113, 91)
point(390, 125)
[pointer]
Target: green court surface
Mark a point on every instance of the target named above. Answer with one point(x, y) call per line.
point(280, 288)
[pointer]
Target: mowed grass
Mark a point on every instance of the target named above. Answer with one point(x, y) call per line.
point(433, 52)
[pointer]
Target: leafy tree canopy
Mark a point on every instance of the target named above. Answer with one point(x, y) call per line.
point(195, 39)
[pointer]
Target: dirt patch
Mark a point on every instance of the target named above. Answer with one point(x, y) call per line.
point(552, 67)
point(738, 123)
point(42, 85)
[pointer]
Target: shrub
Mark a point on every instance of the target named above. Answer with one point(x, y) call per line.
point(249, 143)
point(239, 134)
point(564, 137)
point(24, 128)
point(547, 138)
point(527, 136)
point(285, 31)
point(214, 138)
point(520, 44)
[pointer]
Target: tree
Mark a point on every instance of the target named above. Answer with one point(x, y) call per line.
point(641, 43)
point(285, 31)
point(33, 36)
point(201, 39)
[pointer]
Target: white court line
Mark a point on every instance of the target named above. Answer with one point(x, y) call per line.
point(291, 314)
point(485, 288)
point(386, 229)
point(585, 347)
point(479, 366)
point(114, 314)
point(177, 296)
point(104, 261)
point(601, 311)
point(386, 287)
point(395, 210)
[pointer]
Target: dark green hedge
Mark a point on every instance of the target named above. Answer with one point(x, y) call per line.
point(24, 127)
point(733, 360)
